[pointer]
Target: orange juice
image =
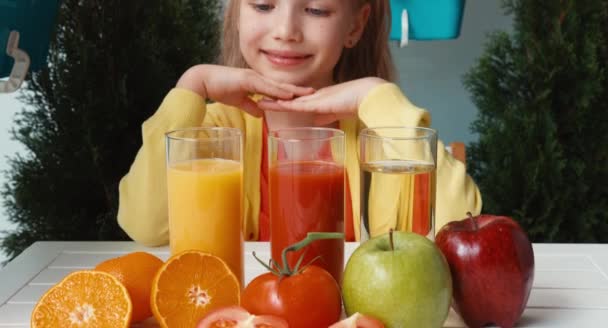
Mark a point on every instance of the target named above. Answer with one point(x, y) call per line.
point(205, 209)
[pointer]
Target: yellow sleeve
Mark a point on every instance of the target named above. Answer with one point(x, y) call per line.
point(456, 192)
point(142, 209)
point(385, 105)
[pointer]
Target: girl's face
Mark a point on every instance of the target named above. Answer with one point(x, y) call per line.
point(298, 41)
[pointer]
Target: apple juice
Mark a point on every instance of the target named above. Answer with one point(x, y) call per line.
point(397, 194)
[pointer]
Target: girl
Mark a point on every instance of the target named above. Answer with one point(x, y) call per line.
point(316, 62)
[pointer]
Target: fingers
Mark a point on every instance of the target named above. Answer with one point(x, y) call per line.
point(261, 85)
point(271, 105)
point(296, 90)
point(310, 104)
point(283, 106)
point(304, 104)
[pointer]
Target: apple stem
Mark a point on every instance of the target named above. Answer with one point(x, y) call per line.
point(473, 220)
point(390, 238)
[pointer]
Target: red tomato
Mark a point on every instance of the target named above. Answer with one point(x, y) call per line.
point(236, 316)
point(307, 299)
point(358, 320)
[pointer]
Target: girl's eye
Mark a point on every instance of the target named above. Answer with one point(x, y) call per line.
point(262, 7)
point(318, 12)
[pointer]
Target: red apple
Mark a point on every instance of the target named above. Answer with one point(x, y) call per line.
point(492, 266)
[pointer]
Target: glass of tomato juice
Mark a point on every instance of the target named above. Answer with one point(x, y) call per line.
point(306, 181)
point(204, 189)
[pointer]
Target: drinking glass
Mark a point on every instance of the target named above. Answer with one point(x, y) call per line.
point(306, 178)
point(204, 187)
point(398, 177)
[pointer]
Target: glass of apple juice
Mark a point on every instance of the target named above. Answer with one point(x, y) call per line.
point(398, 180)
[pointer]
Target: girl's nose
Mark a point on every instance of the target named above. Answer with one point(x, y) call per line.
point(287, 26)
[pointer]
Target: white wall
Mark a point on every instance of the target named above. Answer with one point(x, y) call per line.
point(431, 71)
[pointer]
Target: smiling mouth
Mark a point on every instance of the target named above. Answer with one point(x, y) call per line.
point(285, 59)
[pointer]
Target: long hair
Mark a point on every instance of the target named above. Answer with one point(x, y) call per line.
point(371, 55)
point(230, 54)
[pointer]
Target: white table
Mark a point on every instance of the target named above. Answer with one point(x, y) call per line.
point(570, 286)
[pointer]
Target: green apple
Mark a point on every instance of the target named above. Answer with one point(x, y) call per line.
point(400, 278)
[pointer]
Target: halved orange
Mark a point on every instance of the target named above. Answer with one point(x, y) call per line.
point(136, 271)
point(189, 285)
point(84, 299)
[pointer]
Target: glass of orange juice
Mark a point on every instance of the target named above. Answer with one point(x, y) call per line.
point(204, 187)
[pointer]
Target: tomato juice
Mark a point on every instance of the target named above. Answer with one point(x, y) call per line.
point(307, 196)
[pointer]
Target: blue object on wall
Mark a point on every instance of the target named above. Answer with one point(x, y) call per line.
point(427, 19)
point(35, 21)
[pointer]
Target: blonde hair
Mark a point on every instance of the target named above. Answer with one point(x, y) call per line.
point(369, 57)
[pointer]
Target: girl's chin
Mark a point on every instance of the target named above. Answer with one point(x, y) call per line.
point(286, 78)
point(292, 78)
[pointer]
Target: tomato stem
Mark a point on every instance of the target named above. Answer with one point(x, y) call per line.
point(298, 270)
point(297, 267)
point(275, 265)
point(310, 237)
point(269, 267)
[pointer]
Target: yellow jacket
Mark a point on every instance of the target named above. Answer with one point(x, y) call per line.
point(142, 209)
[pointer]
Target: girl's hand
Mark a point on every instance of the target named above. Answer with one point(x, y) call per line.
point(233, 86)
point(330, 104)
